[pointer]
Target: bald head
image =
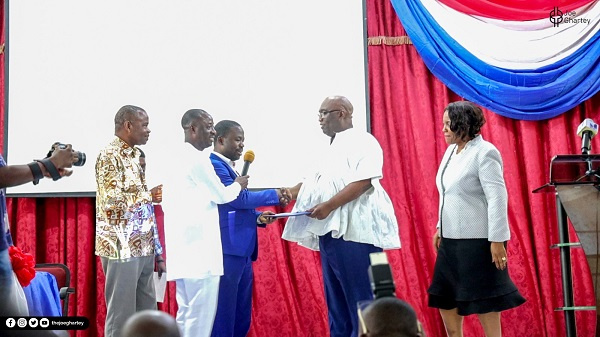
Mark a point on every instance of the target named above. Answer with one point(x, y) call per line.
point(191, 116)
point(198, 128)
point(390, 317)
point(342, 102)
point(335, 115)
point(151, 323)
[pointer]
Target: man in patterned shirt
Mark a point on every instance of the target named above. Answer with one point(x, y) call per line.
point(126, 236)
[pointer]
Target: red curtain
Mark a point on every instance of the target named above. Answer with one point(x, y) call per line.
point(407, 105)
point(406, 110)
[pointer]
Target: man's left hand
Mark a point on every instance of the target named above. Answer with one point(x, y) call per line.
point(161, 266)
point(265, 218)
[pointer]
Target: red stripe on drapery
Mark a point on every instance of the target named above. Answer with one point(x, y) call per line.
point(514, 10)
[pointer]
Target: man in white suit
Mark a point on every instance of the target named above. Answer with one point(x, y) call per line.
point(191, 193)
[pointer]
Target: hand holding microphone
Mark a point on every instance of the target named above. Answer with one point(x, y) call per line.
point(243, 178)
point(587, 130)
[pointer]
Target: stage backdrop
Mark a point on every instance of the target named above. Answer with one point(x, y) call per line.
point(72, 64)
point(407, 104)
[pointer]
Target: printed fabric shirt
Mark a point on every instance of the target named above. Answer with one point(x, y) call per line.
point(354, 155)
point(473, 198)
point(125, 221)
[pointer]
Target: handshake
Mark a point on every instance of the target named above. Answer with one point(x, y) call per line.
point(284, 194)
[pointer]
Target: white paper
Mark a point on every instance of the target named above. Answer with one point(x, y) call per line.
point(160, 285)
point(283, 215)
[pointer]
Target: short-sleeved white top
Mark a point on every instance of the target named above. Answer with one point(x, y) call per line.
point(353, 155)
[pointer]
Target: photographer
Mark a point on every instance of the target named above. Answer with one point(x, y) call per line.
point(389, 317)
point(54, 166)
point(61, 159)
point(386, 316)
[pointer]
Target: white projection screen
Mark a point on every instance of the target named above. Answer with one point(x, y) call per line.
point(267, 64)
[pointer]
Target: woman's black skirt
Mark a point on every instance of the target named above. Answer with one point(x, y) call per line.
point(466, 278)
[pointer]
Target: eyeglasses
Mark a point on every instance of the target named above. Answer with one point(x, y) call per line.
point(324, 113)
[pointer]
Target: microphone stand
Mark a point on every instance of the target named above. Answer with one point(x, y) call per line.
point(594, 175)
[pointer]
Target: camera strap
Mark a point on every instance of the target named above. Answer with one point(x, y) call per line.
point(51, 169)
point(36, 171)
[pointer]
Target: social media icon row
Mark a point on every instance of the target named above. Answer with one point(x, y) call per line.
point(22, 322)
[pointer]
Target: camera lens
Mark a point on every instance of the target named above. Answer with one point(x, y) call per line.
point(80, 159)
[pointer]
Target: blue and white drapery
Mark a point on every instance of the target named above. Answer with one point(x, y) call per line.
point(531, 70)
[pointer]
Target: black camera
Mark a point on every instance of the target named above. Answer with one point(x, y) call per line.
point(380, 275)
point(80, 155)
point(382, 284)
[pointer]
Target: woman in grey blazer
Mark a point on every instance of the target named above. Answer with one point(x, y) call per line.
point(470, 275)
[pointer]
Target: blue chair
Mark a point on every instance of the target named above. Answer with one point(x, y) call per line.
point(62, 273)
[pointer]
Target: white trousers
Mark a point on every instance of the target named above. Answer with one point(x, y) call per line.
point(197, 300)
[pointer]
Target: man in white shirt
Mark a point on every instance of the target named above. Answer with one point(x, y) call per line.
point(191, 193)
point(351, 215)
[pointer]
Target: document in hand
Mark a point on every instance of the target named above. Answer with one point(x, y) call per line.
point(283, 215)
point(160, 285)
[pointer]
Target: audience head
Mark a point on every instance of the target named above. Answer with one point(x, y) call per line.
point(462, 121)
point(131, 125)
point(229, 139)
point(335, 115)
point(151, 323)
point(389, 317)
point(198, 128)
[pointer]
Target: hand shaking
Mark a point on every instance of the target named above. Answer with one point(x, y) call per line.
point(285, 196)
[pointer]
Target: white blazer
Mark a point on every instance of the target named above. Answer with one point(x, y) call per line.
point(473, 198)
point(191, 193)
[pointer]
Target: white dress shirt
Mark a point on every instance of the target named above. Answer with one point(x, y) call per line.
point(229, 162)
point(473, 198)
point(191, 192)
point(354, 155)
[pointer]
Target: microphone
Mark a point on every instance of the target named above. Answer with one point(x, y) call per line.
point(587, 130)
point(249, 158)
